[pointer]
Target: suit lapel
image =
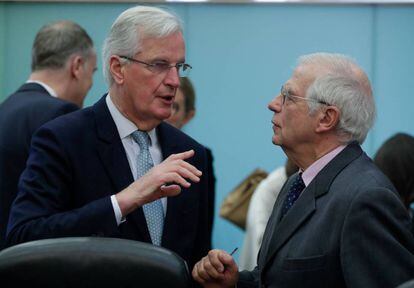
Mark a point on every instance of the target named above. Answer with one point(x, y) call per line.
point(169, 145)
point(305, 206)
point(274, 219)
point(113, 156)
point(284, 228)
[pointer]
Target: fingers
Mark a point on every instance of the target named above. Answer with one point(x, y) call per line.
point(204, 272)
point(183, 155)
point(170, 190)
point(179, 158)
point(228, 261)
point(177, 171)
point(209, 268)
point(165, 179)
point(216, 257)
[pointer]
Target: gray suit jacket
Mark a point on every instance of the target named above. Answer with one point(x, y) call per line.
point(347, 229)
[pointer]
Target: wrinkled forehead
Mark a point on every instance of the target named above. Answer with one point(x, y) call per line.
point(171, 46)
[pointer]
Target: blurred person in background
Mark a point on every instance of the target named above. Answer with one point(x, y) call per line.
point(63, 63)
point(395, 158)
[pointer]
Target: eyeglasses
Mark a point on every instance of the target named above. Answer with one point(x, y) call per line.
point(286, 94)
point(160, 67)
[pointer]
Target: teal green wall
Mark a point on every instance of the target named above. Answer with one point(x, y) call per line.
point(241, 55)
point(2, 46)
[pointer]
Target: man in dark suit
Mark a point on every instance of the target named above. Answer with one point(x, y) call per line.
point(338, 222)
point(183, 112)
point(63, 62)
point(89, 172)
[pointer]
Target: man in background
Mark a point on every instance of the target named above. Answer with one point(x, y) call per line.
point(338, 222)
point(111, 170)
point(183, 111)
point(63, 62)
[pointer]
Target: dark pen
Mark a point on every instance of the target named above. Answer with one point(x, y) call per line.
point(234, 251)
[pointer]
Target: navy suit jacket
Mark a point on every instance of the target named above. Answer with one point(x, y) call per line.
point(77, 162)
point(211, 192)
point(21, 114)
point(347, 229)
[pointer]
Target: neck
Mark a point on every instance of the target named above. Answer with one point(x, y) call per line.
point(121, 104)
point(304, 156)
point(58, 80)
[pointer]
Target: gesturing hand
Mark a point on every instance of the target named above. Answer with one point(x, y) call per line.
point(164, 179)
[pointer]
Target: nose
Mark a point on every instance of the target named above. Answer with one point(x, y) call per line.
point(172, 78)
point(276, 104)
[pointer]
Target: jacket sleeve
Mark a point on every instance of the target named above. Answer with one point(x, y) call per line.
point(249, 279)
point(43, 206)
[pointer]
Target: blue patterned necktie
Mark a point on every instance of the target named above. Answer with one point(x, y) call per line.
point(154, 212)
point(294, 191)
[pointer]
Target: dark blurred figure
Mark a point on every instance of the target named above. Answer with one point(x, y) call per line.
point(396, 159)
point(183, 111)
point(63, 62)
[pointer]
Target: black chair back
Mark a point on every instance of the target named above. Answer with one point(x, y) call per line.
point(91, 262)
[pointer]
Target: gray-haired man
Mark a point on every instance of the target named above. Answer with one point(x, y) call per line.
point(95, 175)
point(338, 222)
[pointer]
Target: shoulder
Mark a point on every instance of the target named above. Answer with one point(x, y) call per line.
point(76, 123)
point(363, 174)
point(361, 184)
point(166, 131)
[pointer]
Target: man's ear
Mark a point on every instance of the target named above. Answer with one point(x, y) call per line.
point(77, 67)
point(328, 119)
point(190, 115)
point(116, 69)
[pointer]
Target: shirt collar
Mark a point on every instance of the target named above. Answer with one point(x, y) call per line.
point(125, 126)
point(47, 87)
point(319, 164)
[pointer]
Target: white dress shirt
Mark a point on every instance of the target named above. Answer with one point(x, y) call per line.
point(125, 128)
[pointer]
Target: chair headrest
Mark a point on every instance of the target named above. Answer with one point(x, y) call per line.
point(92, 262)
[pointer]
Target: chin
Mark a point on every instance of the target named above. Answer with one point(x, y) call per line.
point(276, 140)
point(162, 113)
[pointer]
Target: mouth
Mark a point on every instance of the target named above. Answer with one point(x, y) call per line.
point(275, 125)
point(167, 99)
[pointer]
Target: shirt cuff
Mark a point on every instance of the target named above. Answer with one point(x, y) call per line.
point(117, 211)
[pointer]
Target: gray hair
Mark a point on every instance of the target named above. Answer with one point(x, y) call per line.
point(131, 27)
point(56, 42)
point(341, 82)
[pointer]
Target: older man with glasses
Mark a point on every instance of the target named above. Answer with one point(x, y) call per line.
point(111, 170)
point(338, 222)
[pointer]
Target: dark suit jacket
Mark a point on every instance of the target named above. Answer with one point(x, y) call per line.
point(347, 229)
point(21, 114)
point(77, 162)
point(212, 191)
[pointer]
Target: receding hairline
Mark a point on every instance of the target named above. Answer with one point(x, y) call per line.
point(326, 64)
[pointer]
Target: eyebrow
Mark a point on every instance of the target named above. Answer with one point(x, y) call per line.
point(160, 59)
